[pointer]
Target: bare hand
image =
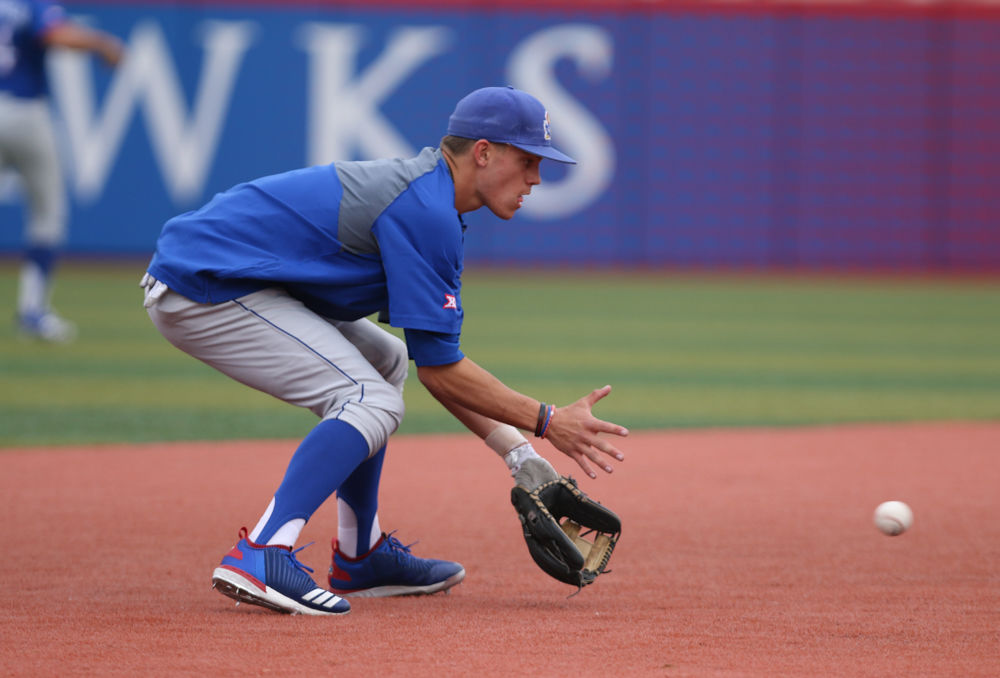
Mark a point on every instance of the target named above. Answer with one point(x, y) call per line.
point(111, 51)
point(574, 430)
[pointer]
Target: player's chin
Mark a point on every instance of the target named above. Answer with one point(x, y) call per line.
point(516, 205)
point(505, 213)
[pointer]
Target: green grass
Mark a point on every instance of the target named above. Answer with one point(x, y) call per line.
point(680, 350)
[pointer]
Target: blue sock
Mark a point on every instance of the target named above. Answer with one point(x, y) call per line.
point(42, 257)
point(360, 492)
point(36, 279)
point(325, 458)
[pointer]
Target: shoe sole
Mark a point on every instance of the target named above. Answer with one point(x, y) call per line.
point(387, 591)
point(34, 336)
point(233, 585)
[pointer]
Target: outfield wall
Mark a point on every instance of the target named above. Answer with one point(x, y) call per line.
point(844, 134)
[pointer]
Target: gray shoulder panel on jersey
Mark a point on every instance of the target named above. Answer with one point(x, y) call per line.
point(369, 187)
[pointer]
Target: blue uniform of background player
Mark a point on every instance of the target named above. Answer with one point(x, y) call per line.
point(28, 28)
point(271, 283)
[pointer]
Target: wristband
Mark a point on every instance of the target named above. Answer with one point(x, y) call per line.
point(549, 411)
point(542, 409)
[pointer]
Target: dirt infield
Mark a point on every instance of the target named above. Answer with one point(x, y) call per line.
point(744, 553)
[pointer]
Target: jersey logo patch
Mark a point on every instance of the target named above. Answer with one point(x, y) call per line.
point(450, 301)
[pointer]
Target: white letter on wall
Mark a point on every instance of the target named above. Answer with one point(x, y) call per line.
point(578, 133)
point(184, 146)
point(343, 109)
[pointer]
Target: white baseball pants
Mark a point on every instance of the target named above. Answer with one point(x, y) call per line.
point(28, 144)
point(348, 370)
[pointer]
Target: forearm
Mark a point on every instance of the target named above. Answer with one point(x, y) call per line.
point(526, 466)
point(499, 437)
point(467, 390)
point(481, 425)
point(477, 398)
point(73, 36)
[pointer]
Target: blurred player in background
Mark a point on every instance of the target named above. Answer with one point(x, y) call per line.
point(271, 283)
point(28, 29)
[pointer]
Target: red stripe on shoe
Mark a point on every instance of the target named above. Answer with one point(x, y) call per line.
point(249, 577)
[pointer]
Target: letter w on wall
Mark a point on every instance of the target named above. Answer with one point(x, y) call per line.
point(184, 144)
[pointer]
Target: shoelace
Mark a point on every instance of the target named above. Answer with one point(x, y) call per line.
point(295, 561)
point(291, 554)
point(397, 545)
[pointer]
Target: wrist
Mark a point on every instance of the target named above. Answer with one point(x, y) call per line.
point(504, 438)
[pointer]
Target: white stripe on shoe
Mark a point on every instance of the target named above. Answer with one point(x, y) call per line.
point(322, 598)
point(232, 585)
point(315, 592)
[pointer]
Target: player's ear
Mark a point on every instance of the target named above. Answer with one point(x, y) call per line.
point(481, 152)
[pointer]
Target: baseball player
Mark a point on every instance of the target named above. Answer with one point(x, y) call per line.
point(271, 283)
point(28, 28)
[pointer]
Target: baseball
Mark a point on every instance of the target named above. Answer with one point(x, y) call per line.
point(893, 517)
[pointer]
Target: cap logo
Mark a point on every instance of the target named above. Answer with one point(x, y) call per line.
point(504, 115)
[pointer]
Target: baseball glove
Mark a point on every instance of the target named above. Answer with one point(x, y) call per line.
point(569, 535)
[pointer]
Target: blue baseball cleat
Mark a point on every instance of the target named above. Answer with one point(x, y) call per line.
point(46, 326)
point(389, 569)
point(272, 577)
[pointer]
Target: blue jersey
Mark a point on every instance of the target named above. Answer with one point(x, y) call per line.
point(347, 239)
point(23, 24)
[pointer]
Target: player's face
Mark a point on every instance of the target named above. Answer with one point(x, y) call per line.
point(507, 178)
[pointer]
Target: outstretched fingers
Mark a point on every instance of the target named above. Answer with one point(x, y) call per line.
point(608, 427)
point(598, 425)
point(578, 433)
point(596, 450)
point(597, 395)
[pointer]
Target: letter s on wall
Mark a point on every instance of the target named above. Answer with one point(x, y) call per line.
point(531, 67)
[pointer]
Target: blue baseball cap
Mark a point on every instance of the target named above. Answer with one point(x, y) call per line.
point(505, 115)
